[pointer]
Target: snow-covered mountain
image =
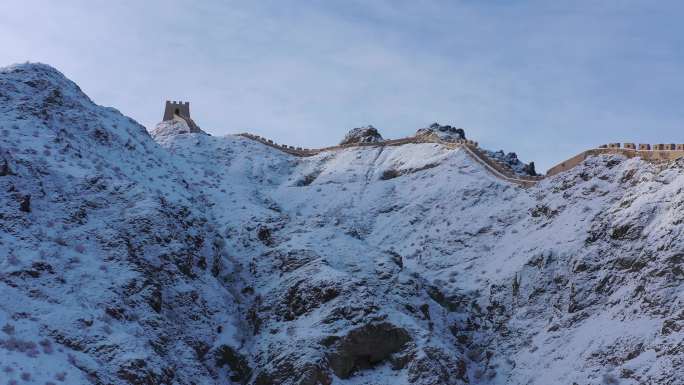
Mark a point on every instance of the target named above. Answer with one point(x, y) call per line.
point(184, 258)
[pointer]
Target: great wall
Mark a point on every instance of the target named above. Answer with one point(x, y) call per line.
point(647, 152)
point(652, 153)
point(499, 169)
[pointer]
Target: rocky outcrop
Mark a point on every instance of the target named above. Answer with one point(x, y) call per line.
point(365, 347)
point(511, 161)
point(446, 133)
point(367, 134)
point(529, 169)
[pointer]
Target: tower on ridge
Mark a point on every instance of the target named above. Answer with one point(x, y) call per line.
point(177, 110)
point(181, 109)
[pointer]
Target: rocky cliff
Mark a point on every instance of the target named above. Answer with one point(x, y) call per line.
point(184, 258)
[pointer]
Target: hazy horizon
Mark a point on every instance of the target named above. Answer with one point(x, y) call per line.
point(545, 80)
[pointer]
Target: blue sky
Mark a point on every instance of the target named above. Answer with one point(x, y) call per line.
point(545, 79)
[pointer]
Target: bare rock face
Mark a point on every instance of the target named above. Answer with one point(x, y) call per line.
point(368, 134)
point(5, 169)
point(226, 356)
point(365, 347)
point(287, 369)
point(447, 132)
point(511, 161)
point(529, 169)
point(307, 294)
point(435, 367)
point(26, 204)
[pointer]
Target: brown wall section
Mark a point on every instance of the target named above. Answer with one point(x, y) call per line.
point(648, 155)
point(470, 146)
point(665, 153)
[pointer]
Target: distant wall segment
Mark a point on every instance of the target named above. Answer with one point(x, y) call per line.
point(500, 170)
point(653, 153)
point(647, 152)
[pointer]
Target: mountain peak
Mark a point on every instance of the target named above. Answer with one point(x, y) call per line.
point(396, 262)
point(38, 75)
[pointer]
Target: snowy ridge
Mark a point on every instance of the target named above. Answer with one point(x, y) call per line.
point(496, 167)
point(185, 258)
point(103, 264)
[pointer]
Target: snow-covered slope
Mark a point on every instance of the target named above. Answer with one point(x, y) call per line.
point(185, 258)
point(112, 275)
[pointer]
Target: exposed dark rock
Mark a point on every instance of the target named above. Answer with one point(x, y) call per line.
point(543, 210)
point(626, 232)
point(390, 174)
point(5, 169)
point(365, 347)
point(511, 161)
point(136, 372)
point(264, 235)
point(25, 204)
point(308, 179)
point(55, 98)
point(529, 169)
point(436, 367)
point(287, 370)
point(353, 311)
point(368, 134)
point(291, 260)
point(239, 369)
point(396, 258)
point(452, 302)
point(447, 133)
point(306, 295)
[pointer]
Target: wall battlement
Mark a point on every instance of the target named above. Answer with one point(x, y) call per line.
point(176, 108)
point(180, 110)
point(653, 153)
point(647, 152)
point(500, 170)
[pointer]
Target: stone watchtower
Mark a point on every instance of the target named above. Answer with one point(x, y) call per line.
point(180, 111)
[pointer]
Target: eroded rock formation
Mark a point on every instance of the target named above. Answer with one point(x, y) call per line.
point(367, 134)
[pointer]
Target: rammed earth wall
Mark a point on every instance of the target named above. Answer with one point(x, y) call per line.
point(659, 153)
point(470, 146)
point(648, 155)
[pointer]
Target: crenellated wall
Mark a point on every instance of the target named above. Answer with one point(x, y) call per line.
point(176, 108)
point(647, 152)
point(654, 153)
point(180, 110)
point(500, 170)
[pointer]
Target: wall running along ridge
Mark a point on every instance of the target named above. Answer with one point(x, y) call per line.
point(498, 169)
point(659, 153)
